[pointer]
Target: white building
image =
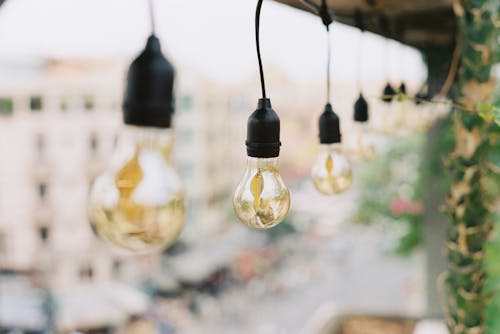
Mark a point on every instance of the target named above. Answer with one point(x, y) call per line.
point(58, 124)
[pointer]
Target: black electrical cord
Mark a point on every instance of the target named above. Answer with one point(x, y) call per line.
point(152, 17)
point(257, 40)
point(328, 64)
point(360, 62)
point(326, 18)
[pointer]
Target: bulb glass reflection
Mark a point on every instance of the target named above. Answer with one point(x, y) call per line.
point(261, 199)
point(331, 173)
point(138, 204)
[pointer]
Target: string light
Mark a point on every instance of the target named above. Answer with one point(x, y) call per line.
point(331, 172)
point(363, 147)
point(261, 199)
point(137, 204)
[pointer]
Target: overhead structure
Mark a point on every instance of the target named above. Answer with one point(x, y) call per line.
point(422, 24)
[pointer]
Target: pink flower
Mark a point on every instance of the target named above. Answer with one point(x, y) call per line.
point(400, 206)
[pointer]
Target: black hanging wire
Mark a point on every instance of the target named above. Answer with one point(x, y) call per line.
point(360, 62)
point(152, 17)
point(327, 19)
point(257, 42)
point(328, 65)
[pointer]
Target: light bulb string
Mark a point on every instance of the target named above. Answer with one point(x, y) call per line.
point(386, 54)
point(257, 41)
point(327, 19)
point(328, 65)
point(152, 17)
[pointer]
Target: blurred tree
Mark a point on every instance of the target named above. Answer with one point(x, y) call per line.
point(476, 128)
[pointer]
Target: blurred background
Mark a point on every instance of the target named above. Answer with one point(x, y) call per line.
point(62, 72)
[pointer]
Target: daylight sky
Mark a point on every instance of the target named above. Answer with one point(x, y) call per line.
point(215, 37)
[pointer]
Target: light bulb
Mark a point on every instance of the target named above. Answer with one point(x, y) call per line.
point(261, 199)
point(364, 147)
point(138, 203)
point(331, 173)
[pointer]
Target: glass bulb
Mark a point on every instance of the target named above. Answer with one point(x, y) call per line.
point(261, 199)
point(331, 173)
point(363, 146)
point(137, 205)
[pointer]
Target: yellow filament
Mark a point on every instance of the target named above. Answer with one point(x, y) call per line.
point(256, 189)
point(329, 164)
point(126, 181)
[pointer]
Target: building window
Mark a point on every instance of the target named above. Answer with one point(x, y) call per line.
point(3, 243)
point(86, 273)
point(40, 144)
point(6, 106)
point(43, 233)
point(94, 143)
point(88, 103)
point(42, 191)
point(117, 266)
point(186, 103)
point(63, 104)
point(36, 103)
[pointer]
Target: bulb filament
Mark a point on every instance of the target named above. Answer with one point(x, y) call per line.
point(127, 179)
point(262, 207)
point(329, 165)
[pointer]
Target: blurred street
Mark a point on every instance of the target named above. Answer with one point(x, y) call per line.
point(333, 266)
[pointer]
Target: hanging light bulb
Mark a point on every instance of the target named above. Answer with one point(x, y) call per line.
point(402, 88)
point(364, 147)
point(261, 199)
point(388, 93)
point(137, 204)
point(331, 172)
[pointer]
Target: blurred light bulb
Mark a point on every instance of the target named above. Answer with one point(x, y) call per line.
point(261, 199)
point(364, 147)
point(138, 204)
point(331, 173)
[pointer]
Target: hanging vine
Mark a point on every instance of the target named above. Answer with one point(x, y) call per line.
point(477, 130)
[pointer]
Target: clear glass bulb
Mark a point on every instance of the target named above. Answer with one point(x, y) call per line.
point(363, 146)
point(137, 205)
point(331, 173)
point(261, 199)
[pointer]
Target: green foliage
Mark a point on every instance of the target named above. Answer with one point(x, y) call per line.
point(492, 265)
point(392, 192)
point(6, 106)
point(471, 194)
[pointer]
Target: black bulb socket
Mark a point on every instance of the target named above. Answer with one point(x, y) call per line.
point(263, 132)
point(402, 88)
point(329, 126)
point(149, 99)
point(389, 93)
point(361, 110)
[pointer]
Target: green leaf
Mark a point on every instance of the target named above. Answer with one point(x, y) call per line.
point(485, 110)
point(402, 97)
point(496, 114)
point(494, 156)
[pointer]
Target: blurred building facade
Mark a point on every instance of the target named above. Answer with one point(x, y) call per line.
point(58, 128)
point(58, 124)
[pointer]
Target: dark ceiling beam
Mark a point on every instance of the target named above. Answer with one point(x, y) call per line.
point(423, 24)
